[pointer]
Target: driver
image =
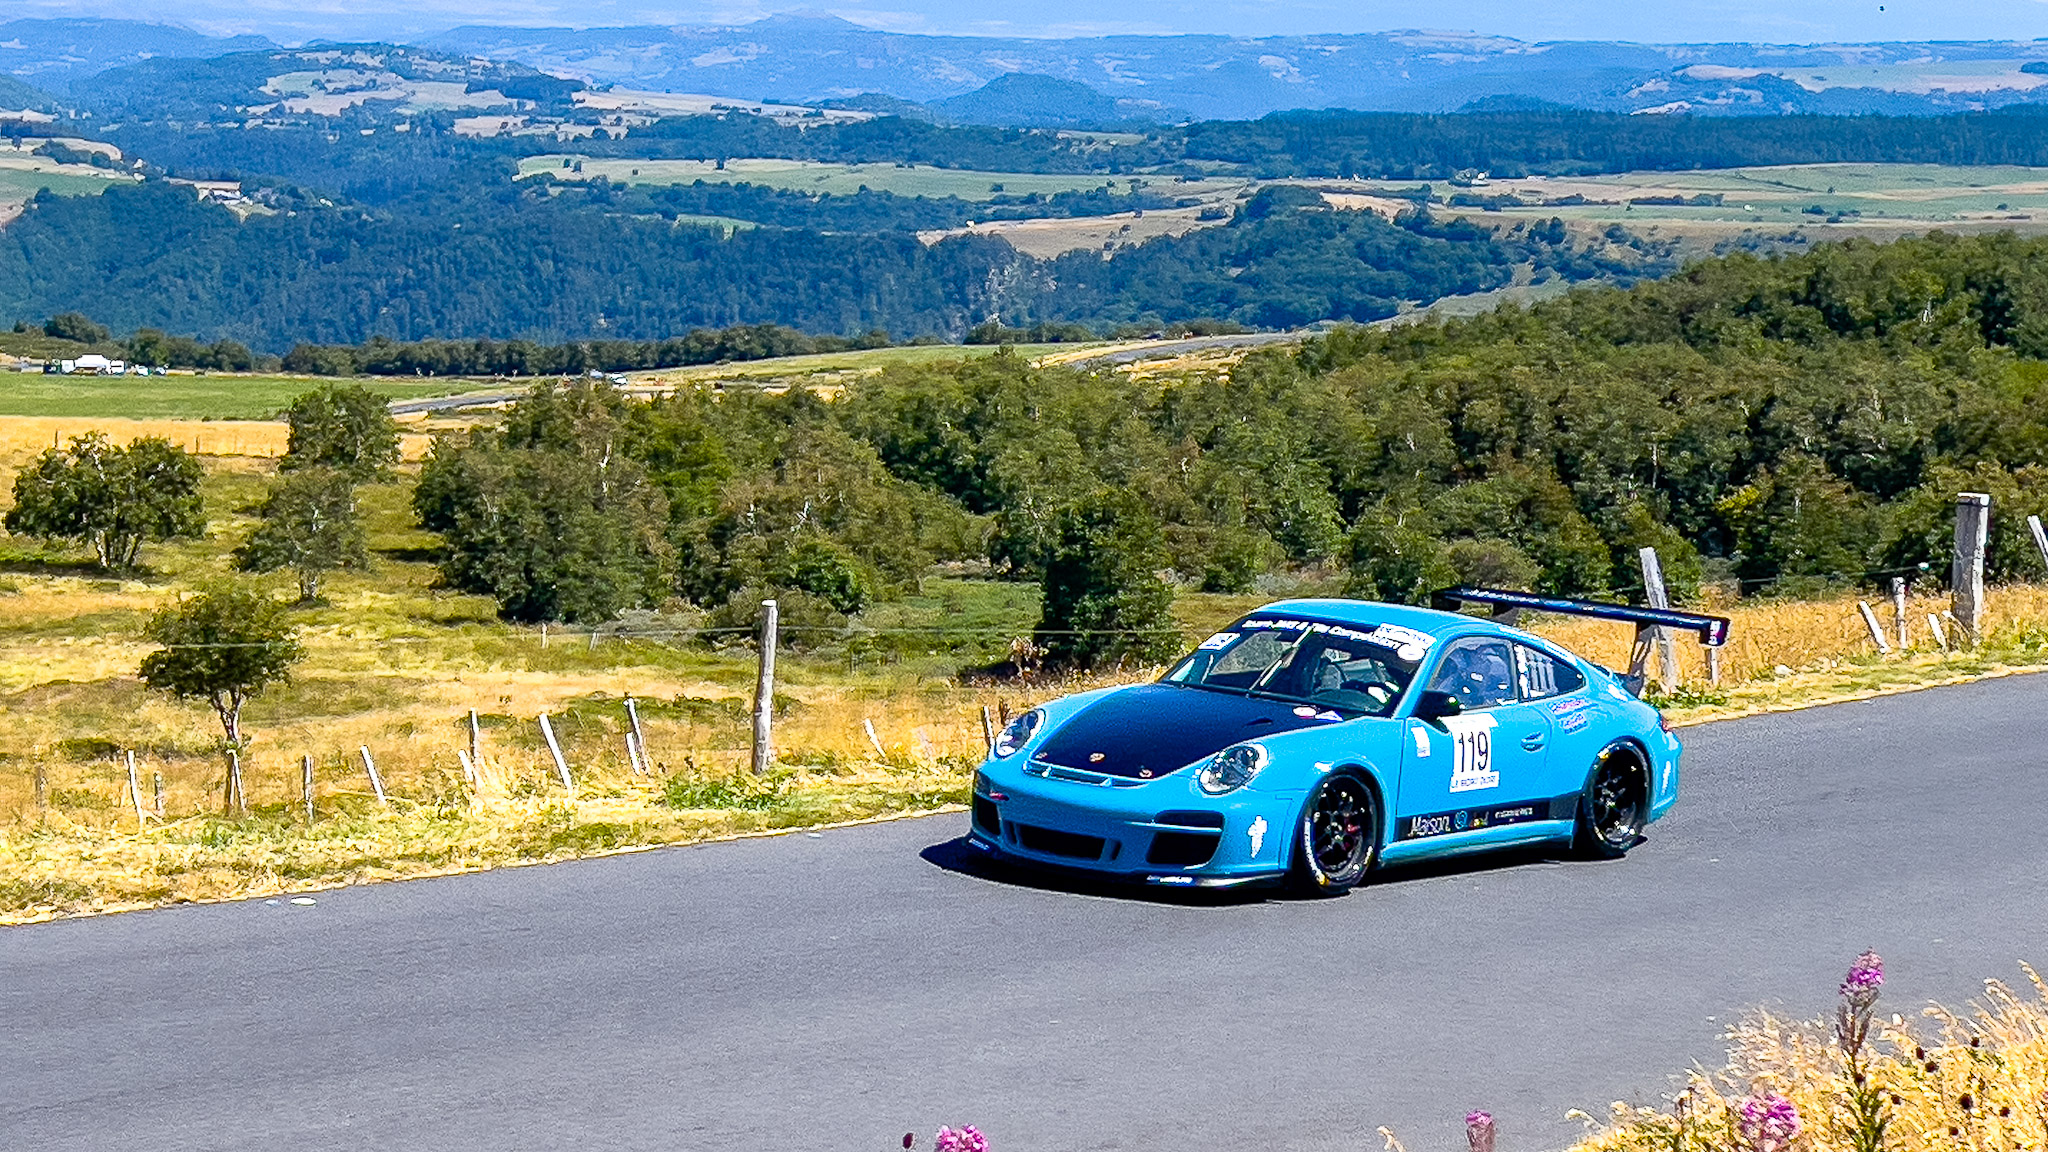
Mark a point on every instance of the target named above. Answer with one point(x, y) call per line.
point(1478, 676)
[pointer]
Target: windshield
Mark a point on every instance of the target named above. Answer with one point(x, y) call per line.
point(1350, 668)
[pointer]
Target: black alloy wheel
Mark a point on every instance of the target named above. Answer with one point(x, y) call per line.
point(1615, 806)
point(1338, 838)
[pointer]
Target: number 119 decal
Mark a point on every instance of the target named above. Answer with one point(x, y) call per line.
point(1472, 750)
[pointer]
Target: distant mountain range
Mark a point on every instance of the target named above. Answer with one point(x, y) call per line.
point(823, 60)
point(814, 58)
point(53, 54)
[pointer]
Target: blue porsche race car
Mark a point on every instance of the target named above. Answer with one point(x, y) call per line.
point(1315, 739)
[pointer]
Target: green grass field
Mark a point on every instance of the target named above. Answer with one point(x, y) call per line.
point(18, 184)
point(841, 179)
point(1886, 196)
point(211, 397)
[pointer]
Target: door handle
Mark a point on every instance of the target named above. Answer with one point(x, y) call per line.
point(1533, 742)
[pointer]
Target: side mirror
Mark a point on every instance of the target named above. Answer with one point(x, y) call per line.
point(1437, 705)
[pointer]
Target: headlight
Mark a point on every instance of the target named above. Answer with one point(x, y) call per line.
point(1231, 769)
point(1019, 733)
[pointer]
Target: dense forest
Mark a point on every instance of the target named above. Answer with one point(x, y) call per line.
point(608, 263)
point(1784, 423)
point(355, 230)
point(336, 156)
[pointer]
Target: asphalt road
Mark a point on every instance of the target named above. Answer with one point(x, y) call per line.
point(834, 992)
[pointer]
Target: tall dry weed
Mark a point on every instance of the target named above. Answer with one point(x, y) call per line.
point(1973, 1080)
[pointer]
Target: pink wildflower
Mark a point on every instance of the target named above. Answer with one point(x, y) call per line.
point(1769, 1122)
point(967, 1138)
point(1479, 1131)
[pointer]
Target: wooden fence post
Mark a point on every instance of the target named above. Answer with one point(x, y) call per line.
point(543, 635)
point(376, 781)
point(1714, 665)
point(1876, 632)
point(157, 780)
point(764, 692)
point(988, 730)
point(2040, 536)
point(1653, 588)
point(135, 792)
point(306, 786)
point(42, 787)
point(1966, 581)
point(468, 767)
point(1899, 611)
point(476, 737)
point(547, 732)
point(235, 803)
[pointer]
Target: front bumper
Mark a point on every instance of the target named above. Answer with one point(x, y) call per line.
point(1162, 832)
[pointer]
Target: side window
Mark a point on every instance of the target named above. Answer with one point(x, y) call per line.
point(1543, 675)
point(1478, 672)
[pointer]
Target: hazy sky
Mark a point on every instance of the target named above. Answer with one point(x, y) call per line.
point(1783, 21)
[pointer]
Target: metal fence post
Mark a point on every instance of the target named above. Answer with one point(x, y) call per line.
point(764, 692)
point(376, 781)
point(1899, 611)
point(547, 732)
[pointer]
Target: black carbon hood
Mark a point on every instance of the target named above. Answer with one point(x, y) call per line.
point(1153, 729)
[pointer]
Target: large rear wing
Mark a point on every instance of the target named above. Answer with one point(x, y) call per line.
point(1712, 630)
point(1649, 622)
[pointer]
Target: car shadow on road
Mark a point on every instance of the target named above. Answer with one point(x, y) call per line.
point(954, 855)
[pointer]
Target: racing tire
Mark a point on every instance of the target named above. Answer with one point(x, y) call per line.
point(1615, 805)
point(1337, 838)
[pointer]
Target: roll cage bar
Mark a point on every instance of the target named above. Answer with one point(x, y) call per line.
point(1507, 605)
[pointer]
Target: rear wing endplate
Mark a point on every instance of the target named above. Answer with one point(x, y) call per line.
point(1712, 630)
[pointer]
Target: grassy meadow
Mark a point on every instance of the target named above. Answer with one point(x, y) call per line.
point(213, 396)
point(396, 665)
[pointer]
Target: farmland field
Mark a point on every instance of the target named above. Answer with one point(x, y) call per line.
point(1841, 199)
point(220, 396)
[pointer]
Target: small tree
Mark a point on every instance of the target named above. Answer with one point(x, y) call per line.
point(345, 427)
point(1104, 599)
point(222, 647)
point(75, 326)
point(309, 524)
point(113, 499)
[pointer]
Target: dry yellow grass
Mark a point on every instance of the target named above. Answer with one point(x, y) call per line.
point(24, 436)
point(72, 704)
point(1975, 1079)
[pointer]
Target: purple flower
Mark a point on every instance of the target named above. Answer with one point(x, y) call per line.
point(1479, 1131)
point(1769, 1122)
point(1865, 977)
point(966, 1138)
point(1859, 996)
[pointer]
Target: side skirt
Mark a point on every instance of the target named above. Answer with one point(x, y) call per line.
point(1481, 839)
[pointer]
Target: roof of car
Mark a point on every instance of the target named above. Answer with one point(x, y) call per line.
point(1373, 612)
